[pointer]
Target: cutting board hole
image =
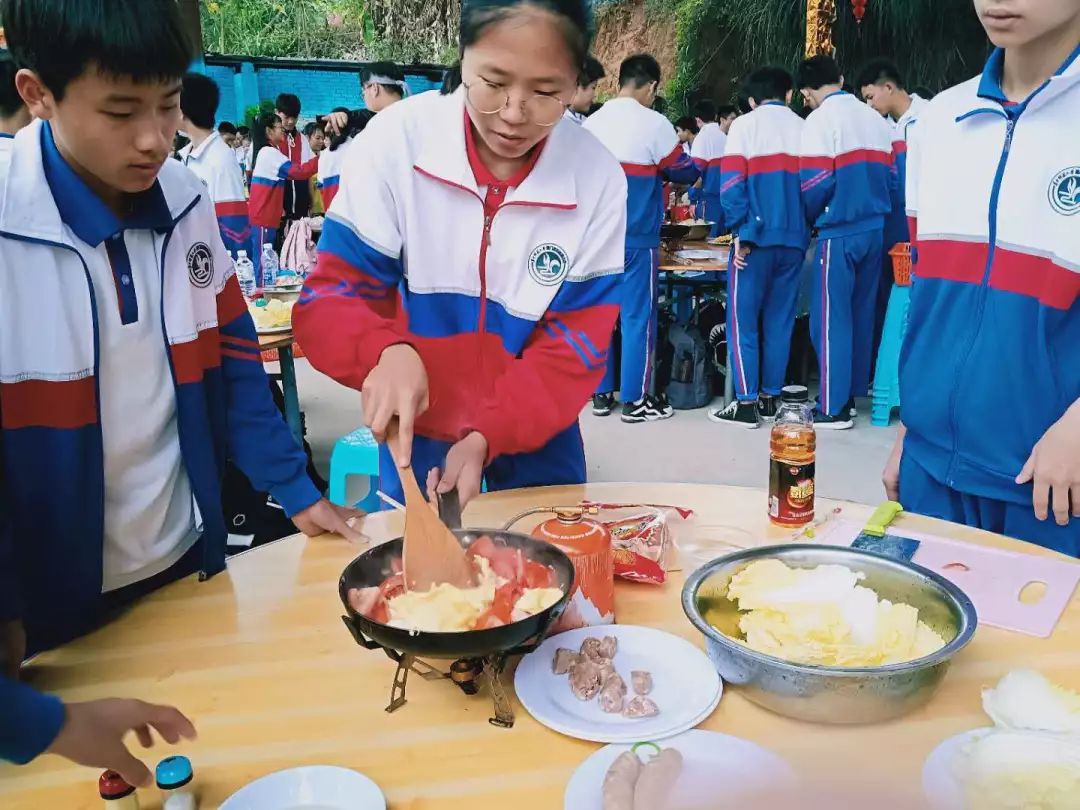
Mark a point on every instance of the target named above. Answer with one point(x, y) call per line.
point(955, 566)
point(1033, 593)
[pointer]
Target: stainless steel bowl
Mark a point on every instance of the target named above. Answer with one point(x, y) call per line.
point(831, 694)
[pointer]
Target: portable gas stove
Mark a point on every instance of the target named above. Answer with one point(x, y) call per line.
point(466, 673)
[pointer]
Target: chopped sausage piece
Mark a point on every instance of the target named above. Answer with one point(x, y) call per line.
point(641, 706)
point(590, 648)
point(606, 667)
point(642, 681)
point(612, 693)
point(369, 602)
point(563, 660)
point(609, 645)
point(585, 679)
point(620, 781)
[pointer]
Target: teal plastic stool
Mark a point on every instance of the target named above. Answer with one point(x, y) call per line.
point(355, 454)
point(887, 374)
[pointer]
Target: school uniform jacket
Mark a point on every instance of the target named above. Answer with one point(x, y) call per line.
point(761, 186)
point(272, 171)
point(296, 149)
point(847, 168)
point(215, 164)
point(646, 145)
point(51, 462)
point(707, 152)
point(896, 227)
point(990, 358)
point(330, 162)
point(511, 312)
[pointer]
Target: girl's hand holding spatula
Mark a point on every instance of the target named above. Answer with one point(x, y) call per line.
point(397, 388)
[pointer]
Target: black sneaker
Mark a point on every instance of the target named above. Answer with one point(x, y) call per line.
point(744, 414)
point(822, 421)
point(640, 411)
point(603, 404)
point(850, 408)
point(767, 406)
point(660, 404)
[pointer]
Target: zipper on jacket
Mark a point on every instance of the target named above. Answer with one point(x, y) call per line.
point(485, 242)
point(995, 196)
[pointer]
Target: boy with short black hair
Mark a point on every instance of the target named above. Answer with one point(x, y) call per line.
point(989, 377)
point(296, 148)
point(848, 180)
point(14, 114)
point(316, 136)
point(763, 208)
point(585, 94)
point(213, 161)
point(644, 142)
point(383, 84)
point(707, 152)
point(136, 372)
point(687, 129)
point(227, 132)
point(725, 116)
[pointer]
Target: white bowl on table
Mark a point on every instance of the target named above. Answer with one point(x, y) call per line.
point(312, 787)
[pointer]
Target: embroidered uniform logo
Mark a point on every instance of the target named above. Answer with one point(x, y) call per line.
point(200, 264)
point(549, 264)
point(1065, 191)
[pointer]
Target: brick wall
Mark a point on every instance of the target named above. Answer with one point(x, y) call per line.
point(320, 89)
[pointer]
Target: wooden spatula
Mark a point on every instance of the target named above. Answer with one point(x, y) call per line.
point(431, 553)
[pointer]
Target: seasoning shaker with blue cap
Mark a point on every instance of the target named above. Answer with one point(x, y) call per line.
point(174, 777)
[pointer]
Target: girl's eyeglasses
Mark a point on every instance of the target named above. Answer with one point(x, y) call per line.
point(489, 99)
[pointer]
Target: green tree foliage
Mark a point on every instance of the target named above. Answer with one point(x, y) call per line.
point(330, 29)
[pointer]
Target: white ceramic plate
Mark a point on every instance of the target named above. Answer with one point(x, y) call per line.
point(719, 771)
point(686, 686)
point(314, 787)
point(274, 330)
point(943, 790)
point(702, 255)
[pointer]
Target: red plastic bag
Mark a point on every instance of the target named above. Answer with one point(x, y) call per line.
point(643, 538)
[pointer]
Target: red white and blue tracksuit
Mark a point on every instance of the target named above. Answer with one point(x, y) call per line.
point(762, 203)
point(266, 206)
point(646, 145)
point(52, 485)
point(896, 225)
point(990, 359)
point(215, 164)
point(707, 152)
point(848, 178)
point(507, 289)
point(296, 196)
point(330, 163)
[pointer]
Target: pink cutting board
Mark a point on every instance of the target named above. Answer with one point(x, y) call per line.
point(992, 578)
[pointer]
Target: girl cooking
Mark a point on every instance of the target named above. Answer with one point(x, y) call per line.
point(510, 224)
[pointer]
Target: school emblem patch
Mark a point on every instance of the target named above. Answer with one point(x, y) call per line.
point(549, 264)
point(1065, 191)
point(200, 264)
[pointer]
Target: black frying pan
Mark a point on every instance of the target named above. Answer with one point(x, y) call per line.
point(374, 565)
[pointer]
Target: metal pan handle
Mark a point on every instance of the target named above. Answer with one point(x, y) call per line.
point(449, 504)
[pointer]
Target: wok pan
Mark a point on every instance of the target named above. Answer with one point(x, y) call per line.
point(375, 565)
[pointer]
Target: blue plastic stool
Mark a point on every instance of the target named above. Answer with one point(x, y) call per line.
point(355, 454)
point(887, 374)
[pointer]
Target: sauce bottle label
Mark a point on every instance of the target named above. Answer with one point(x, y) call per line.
point(791, 493)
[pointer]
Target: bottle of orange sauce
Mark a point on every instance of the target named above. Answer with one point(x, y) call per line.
point(588, 545)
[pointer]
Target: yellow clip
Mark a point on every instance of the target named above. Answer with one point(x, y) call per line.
point(883, 516)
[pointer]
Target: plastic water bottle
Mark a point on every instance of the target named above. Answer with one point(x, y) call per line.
point(245, 273)
point(269, 266)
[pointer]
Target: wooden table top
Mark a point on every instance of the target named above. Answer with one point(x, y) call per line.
point(278, 340)
point(669, 265)
point(260, 660)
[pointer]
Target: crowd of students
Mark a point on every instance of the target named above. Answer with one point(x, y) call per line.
point(478, 250)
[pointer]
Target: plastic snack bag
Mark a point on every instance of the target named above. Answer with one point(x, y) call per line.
point(644, 538)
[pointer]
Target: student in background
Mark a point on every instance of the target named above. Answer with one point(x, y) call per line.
point(585, 94)
point(496, 351)
point(989, 375)
point(331, 161)
point(707, 151)
point(383, 85)
point(132, 378)
point(294, 146)
point(686, 128)
point(848, 178)
point(243, 149)
point(270, 180)
point(213, 161)
point(644, 142)
point(227, 132)
point(14, 114)
point(763, 207)
point(316, 137)
point(725, 116)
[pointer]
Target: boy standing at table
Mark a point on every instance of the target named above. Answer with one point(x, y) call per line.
point(644, 142)
point(763, 208)
point(585, 95)
point(847, 174)
point(706, 152)
point(129, 367)
point(297, 149)
point(993, 193)
point(213, 161)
